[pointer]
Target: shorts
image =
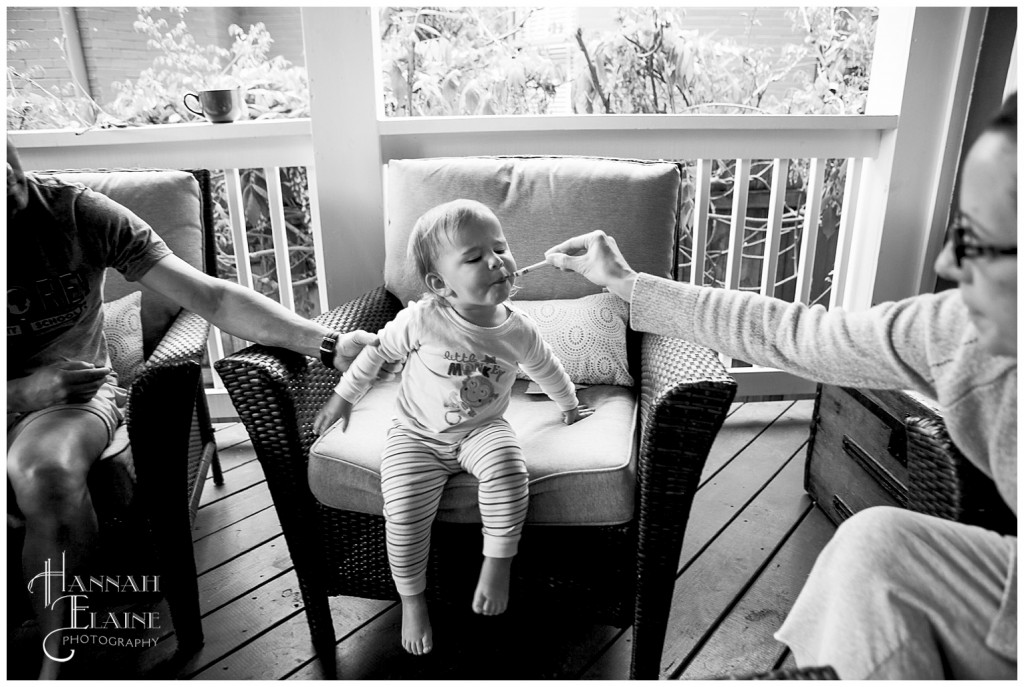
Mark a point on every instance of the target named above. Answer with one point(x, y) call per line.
point(108, 405)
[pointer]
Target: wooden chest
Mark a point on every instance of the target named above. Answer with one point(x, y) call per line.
point(857, 458)
point(857, 450)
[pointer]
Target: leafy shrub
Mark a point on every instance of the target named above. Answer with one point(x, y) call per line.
point(463, 61)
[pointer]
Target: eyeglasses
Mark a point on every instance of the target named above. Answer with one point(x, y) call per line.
point(964, 245)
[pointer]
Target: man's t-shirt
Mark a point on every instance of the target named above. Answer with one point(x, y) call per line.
point(57, 250)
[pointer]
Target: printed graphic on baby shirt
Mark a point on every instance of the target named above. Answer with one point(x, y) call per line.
point(477, 389)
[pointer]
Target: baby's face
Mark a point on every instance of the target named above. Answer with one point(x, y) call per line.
point(477, 265)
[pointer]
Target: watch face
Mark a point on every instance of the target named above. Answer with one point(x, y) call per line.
point(327, 346)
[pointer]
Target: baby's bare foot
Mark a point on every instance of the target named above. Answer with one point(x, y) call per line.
point(491, 597)
point(417, 635)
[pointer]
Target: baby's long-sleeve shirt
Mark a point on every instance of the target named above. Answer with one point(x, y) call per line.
point(457, 376)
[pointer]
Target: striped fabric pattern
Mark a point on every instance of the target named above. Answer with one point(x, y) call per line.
point(414, 471)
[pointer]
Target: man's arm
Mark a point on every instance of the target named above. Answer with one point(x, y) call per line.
point(246, 314)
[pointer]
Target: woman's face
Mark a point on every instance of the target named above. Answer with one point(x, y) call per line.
point(988, 202)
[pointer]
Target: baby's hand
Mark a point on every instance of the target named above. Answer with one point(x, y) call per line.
point(334, 410)
point(576, 414)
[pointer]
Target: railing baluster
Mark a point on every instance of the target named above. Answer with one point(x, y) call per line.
point(740, 192)
point(318, 238)
point(854, 167)
point(236, 212)
point(777, 206)
point(809, 235)
point(282, 256)
point(701, 202)
point(215, 351)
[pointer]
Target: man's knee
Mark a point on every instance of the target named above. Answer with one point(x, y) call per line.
point(46, 479)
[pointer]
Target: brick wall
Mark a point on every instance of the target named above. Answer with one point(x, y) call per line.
point(38, 26)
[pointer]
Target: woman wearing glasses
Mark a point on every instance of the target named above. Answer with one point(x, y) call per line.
point(895, 594)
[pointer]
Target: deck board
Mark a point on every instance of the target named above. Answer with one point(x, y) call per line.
point(751, 539)
point(744, 640)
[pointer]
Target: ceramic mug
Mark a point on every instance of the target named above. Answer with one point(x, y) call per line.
point(218, 105)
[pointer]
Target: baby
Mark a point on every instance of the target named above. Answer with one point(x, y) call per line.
point(463, 342)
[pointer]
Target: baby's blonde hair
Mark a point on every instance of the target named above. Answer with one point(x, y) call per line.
point(438, 225)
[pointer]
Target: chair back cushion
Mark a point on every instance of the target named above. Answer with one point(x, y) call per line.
point(579, 474)
point(540, 201)
point(170, 202)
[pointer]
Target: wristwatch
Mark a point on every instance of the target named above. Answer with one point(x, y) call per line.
point(327, 347)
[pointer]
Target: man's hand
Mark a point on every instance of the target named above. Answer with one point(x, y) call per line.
point(336, 409)
point(75, 381)
point(349, 347)
point(576, 414)
point(596, 256)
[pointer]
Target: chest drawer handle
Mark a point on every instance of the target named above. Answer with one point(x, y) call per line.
point(891, 485)
point(897, 432)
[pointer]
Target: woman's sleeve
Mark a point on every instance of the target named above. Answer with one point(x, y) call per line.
point(894, 345)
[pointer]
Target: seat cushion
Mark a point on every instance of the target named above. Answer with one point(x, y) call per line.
point(540, 201)
point(579, 474)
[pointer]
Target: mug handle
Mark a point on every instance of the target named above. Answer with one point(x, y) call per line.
point(185, 100)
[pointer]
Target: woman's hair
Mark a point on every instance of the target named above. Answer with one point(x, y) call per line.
point(1005, 120)
point(437, 226)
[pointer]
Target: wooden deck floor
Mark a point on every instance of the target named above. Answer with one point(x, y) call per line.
point(752, 537)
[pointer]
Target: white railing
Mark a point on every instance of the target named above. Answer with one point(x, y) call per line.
point(270, 145)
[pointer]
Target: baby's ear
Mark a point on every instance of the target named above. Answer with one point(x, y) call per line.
point(436, 284)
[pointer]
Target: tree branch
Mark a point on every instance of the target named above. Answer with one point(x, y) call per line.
point(593, 72)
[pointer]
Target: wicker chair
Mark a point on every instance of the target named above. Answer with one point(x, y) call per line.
point(158, 477)
point(620, 575)
point(943, 483)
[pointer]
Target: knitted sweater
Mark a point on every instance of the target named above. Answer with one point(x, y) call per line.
point(925, 343)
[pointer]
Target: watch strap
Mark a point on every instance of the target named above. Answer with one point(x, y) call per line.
point(327, 348)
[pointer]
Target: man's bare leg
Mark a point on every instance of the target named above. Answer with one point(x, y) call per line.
point(48, 464)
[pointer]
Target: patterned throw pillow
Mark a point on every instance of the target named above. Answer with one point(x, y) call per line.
point(587, 334)
point(122, 325)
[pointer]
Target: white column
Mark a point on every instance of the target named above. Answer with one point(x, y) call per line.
point(341, 47)
point(921, 57)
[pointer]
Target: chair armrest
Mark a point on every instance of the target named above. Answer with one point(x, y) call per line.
point(169, 373)
point(685, 394)
point(184, 340)
point(277, 393)
point(162, 403)
point(298, 385)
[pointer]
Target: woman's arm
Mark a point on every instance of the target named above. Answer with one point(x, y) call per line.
point(893, 345)
point(888, 346)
